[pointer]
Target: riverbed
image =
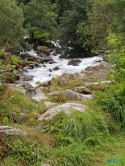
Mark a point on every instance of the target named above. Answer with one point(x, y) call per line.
point(45, 72)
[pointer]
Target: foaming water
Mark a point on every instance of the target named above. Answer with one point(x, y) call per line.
point(46, 72)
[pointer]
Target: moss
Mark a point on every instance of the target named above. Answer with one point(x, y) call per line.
point(29, 62)
point(17, 59)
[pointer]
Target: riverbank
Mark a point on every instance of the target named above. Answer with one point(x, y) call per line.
point(62, 121)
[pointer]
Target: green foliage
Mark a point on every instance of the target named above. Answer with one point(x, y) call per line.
point(113, 101)
point(116, 54)
point(40, 21)
point(5, 121)
point(17, 59)
point(118, 23)
point(11, 30)
point(16, 107)
point(72, 17)
point(21, 151)
point(43, 35)
point(99, 19)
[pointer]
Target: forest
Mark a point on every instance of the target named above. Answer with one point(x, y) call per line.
point(85, 26)
point(92, 133)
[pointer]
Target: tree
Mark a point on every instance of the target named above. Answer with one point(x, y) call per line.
point(99, 20)
point(23, 1)
point(59, 6)
point(118, 9)
point(40, 21)
point(70, 37)
point(11, 21)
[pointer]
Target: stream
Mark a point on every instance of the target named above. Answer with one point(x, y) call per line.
point(46, 72)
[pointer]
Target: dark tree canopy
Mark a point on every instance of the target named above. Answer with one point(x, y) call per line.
point(11, 21)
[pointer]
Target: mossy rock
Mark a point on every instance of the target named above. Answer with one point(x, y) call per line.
point(17, 59)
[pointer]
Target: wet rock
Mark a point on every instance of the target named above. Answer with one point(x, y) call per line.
point(74, 62)
point(37, 65)
point(8, 130)
point(23, 63)
point(56, 68)
point(42, 55)
point(29, 57)
point(27, 77)
point(45, 60)
point(43, 49)
point(51, 62)
point(31, 66)
point(50, 70)
point(68, 108)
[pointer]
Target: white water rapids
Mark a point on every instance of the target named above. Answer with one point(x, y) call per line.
point(43, 73)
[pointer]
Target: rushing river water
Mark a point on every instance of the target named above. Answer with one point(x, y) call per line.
point(46, 72)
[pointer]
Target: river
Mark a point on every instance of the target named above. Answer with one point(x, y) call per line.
point(46, 72)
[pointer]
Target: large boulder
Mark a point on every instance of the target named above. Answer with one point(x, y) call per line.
point(74, 62)
point(43, 49)
point(56, 68)
point(72, 95)
point(68, 108)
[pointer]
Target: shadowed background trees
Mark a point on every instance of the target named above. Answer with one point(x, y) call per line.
point(81, 25)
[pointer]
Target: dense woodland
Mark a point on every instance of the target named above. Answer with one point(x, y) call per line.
point(88, 27)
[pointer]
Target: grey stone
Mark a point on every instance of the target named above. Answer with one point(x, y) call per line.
point(27, 77)
point(49, 104)
point(68, 108)
point(106, 65)
point(72, 95)
point(77, 96)
point(97, 83)
point(82, 89)
point(36, 94)
point(8, 130)
point(62, 81)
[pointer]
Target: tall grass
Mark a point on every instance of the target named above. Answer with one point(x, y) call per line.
point(113, 101)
